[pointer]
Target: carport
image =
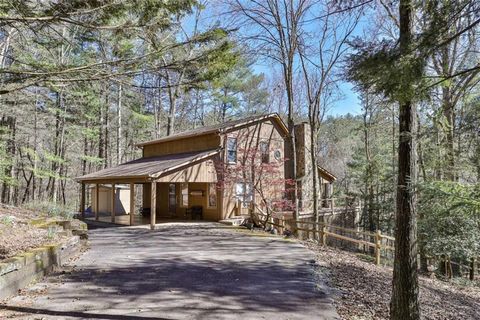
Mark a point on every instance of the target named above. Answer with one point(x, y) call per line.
point(171, 181)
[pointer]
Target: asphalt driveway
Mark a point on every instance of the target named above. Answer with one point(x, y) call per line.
point(180, 271)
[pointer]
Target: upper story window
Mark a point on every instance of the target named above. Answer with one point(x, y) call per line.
point(264, 151)
point(231, 150)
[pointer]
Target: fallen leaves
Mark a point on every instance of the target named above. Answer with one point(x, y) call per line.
point(362, 290)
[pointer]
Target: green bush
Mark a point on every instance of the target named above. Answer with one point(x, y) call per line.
point(449, 223)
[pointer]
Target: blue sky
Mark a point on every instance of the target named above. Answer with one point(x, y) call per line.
point(350, 103)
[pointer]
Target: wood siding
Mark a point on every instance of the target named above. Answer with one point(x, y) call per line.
point(196, 143)
point(201, 172)
point(248, 138)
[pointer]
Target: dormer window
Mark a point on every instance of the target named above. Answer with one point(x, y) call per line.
point(264, 151)
point(232, 150)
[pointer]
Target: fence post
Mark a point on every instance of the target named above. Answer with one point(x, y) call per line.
point(323, 235)
point(378, 246)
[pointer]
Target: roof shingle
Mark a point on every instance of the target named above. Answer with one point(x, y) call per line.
point(151, 167)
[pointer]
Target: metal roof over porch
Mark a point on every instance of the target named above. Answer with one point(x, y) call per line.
point(148, 169)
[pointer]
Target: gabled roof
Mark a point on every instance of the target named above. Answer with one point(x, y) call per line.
point(150, 168)
point(223, 127)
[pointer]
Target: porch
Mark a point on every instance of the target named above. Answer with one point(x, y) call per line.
point(173, 202)
point(177, 187)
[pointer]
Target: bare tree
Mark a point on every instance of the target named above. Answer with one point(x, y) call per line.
point(320, 56)
point(274, 26)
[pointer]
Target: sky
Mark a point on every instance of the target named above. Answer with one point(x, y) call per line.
point(350, 103)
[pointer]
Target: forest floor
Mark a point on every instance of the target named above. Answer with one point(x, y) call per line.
point(18, 231)
point(363, 289)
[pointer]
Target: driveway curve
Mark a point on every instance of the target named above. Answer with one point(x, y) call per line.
point(180, 271)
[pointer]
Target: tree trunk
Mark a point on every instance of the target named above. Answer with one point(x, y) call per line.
point(107, 159)
point(101, 138)
point(10, 124)
point(404, 302)
point(313, 156)
point(119, 125)
point(35, 160)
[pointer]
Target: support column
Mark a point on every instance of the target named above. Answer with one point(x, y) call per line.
point(82, 201)
point(113, 203)
point(97, 200)
point(132, 202)
point(153, 205)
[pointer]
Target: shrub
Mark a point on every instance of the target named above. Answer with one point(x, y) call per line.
point(449, 223)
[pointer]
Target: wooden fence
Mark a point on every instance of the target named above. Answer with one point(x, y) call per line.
point(323, 231)
point(379, 242)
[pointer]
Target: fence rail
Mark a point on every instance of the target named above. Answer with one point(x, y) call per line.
point(323, 231)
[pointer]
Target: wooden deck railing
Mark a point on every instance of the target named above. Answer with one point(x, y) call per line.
point(331, 206)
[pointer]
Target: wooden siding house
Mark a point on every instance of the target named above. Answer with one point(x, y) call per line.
point(199, 168)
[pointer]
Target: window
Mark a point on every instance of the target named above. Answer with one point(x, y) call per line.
point(212, 195)
point(264, 152)
point(184, 195)
point(243, 192)
point(277, 154)
point(232, 150)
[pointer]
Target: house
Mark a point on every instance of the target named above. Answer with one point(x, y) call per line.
point(206, 171)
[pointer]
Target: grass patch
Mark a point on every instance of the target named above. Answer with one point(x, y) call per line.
point(7, 220)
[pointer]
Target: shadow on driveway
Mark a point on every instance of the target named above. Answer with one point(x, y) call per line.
point(185, 271)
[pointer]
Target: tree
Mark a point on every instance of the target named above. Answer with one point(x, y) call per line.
point(74, 74)
point(259, 175)
point(394, 71)
point(274, 26)
point(450, 226)
point(239, 92)
point(319, 64)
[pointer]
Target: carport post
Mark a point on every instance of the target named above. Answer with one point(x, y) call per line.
point(132, 202)
point(97, 200)
point(113, 202)
point(153, 205)
point(82, 201)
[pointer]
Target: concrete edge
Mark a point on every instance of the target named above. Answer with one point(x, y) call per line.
point(19, 271)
